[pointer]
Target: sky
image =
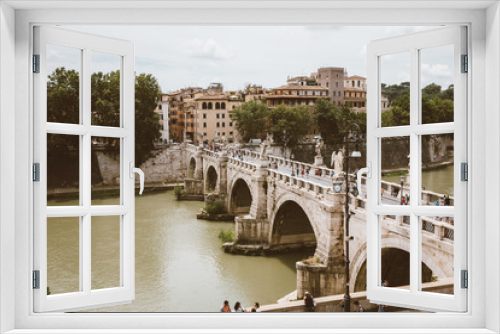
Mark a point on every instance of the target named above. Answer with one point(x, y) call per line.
point(186, 56)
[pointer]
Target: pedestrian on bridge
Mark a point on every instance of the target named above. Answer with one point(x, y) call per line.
point(309, 302)
point(225, 307)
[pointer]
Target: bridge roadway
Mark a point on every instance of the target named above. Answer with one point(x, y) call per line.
point(325, 181)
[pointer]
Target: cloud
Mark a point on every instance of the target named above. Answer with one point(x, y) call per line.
point(438, 73)
point(209, 49)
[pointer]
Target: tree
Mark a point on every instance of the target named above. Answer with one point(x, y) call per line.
point(63, 106)
point(431, 90)
point(292, 122)
point(325, 116)
point(250, 119)
point(147, 128)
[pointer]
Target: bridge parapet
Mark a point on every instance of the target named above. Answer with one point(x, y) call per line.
point(321, 192)
point(319, 171)
point(238, 163)
point(437, 228)
point(191, 148)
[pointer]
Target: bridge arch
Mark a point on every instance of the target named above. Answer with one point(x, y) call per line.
point(211, 179)
point(291, 224)
point(393, 250)
point(241, 197)
point(192, 167)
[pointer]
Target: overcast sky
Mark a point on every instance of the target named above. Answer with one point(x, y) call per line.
point(234, 56)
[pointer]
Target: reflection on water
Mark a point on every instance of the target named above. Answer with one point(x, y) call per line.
point(181, 267)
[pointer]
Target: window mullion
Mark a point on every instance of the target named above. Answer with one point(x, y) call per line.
point(85, 163)
point(414, 169)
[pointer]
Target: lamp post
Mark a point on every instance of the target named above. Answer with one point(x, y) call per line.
point(347, 216)
point(402, 179)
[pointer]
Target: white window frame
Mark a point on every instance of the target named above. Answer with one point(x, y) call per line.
point(484, 51)
point(413, 44)
point(86, 297)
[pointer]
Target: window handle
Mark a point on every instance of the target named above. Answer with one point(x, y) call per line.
point(133, 170)
point(367, 171)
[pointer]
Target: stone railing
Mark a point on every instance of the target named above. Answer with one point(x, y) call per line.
point(294, 181)
point(440, 228)
point(241, 164)
point(292, 164)
point(391, 191)
point(191, 148)
point(334, 303)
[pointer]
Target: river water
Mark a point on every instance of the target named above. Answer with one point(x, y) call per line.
point(437, 180)
point(180, 265)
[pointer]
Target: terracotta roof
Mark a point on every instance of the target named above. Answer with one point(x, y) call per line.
point(355, 77)
point(296, 97)
point(212, 97)
point(299, 87)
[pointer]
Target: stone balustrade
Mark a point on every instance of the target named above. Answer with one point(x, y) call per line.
point(294, 181)
point(440, 228)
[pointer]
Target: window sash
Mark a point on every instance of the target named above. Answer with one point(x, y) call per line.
point(414, 298)
point(86, 297)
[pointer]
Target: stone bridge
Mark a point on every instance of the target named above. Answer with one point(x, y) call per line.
point(277, 209)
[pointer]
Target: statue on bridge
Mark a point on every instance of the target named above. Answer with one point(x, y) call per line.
point(265, 145)
point(338, 160)
point(319, 146)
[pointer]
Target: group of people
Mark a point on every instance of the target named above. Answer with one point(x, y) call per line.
point(225, 308)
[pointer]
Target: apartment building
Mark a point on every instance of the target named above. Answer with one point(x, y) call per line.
point(213, 120)
point(162, 111)
point(332, 78)
point(181, 115)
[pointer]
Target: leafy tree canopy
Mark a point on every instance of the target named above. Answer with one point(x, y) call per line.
point(63, 106)
point(437, 107)
point(334, 122)
point(250, 119)
point(289, 124)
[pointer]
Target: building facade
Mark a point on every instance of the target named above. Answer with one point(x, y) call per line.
point(332, 78)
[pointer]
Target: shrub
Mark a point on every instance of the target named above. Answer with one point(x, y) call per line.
point(226, 236)
point(216, 208)
point(178, 191)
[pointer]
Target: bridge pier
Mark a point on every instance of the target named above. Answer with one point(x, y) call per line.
point(254, 227)
point(325, 274)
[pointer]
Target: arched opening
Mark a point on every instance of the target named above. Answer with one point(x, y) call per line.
point(217, 105)
point(210, 105)
point(292, 227)
point(395, 269)
point(192, 167)
point(204, 105)
point(223, 105)
point(211, 179)
point(241, 198)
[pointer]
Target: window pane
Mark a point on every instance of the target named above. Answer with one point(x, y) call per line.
point(437, 240)
point(105, 173)
point(63, 169)
point(105, 89)
point(437, 170)
point(63, 255)
point(395, 251)
point(395, 170)
point(436, 75)
point(105, 252)
point(395, 84)
point(63, 84)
